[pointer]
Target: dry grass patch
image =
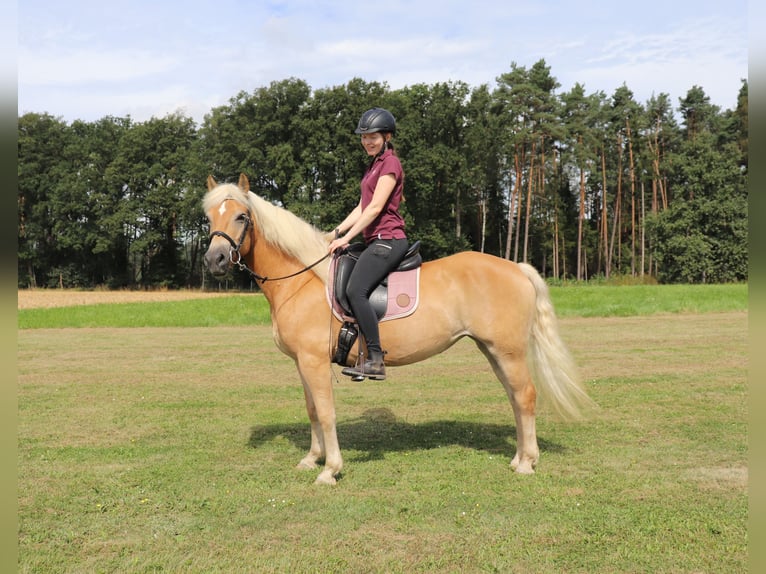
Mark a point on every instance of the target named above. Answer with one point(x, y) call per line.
point(46, 298)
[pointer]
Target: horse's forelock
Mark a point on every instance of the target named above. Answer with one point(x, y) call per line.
point(220, 193)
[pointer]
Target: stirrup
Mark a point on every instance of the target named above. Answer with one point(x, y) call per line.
point(367, 367)
point(358, 374)
point(353, 373)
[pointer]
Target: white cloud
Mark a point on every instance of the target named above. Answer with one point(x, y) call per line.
point(697, 40)
point(139, 103)
point(704, 53)
point(143, 58)
point(71, 68)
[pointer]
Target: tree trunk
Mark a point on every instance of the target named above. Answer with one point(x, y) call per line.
point(580, 218)
point(512, 201)
point(643, 236)
point(483, 210)
point(529, 200)
point(555, 242)
point(604, 215)
point(617, 208)
point(458, 210)
point(519, 171)
point(632, 172)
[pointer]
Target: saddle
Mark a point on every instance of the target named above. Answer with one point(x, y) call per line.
point(396, 296)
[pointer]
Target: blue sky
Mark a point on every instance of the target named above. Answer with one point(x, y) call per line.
point(88, 59)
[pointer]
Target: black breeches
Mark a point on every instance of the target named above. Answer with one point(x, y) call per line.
point(379, 258)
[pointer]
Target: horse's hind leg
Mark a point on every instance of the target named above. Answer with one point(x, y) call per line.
point(513, 373)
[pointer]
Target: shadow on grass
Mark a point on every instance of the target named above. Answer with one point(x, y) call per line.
point(378, 432)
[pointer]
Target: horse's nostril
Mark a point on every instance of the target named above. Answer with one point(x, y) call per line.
point(215, 260)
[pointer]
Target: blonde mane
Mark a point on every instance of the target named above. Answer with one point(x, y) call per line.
point(280, 228)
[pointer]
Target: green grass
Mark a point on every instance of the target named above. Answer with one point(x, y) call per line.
point(631, 300)
point(172, 449)
point(570, 301)
point(234, 310)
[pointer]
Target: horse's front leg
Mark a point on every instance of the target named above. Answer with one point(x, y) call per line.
point(320, 405)
point(316, 451)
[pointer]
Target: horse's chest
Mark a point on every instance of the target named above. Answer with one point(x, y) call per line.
point(278, 340)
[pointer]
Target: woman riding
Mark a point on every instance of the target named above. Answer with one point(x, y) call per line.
point(377, 217)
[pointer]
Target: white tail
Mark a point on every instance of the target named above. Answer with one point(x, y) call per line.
point(553, 368)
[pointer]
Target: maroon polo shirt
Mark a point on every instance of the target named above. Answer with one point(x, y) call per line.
point(389, 224)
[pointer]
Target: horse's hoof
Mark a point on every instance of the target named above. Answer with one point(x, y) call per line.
point(326, 477)
point(306, 464)
point(524, 468)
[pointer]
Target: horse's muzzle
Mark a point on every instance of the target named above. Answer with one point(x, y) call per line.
point(217, 259)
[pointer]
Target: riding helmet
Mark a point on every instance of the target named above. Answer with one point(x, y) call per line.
point(376, 120)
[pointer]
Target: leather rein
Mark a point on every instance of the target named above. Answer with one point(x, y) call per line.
point(236, 257)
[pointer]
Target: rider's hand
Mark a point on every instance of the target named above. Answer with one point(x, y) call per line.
point(338, 244)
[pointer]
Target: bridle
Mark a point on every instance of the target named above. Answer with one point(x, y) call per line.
point(235, 245)
point(236, 257)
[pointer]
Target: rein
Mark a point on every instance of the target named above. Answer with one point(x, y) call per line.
point(234, 251)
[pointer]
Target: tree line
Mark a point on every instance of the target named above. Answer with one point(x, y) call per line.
point(581, 185)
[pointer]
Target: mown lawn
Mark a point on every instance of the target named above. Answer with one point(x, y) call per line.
point(172, 449)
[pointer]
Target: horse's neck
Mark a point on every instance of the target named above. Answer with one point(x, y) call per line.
point(271, 263)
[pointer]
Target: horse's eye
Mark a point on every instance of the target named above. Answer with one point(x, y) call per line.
point(242, 217)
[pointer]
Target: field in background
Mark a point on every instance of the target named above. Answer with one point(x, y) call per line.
point(172, 449)
point(55, 309)
point(47, 298)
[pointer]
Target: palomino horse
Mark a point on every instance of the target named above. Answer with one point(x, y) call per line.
point(503, 306)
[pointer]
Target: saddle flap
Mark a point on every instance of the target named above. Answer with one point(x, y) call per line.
point(343, 267)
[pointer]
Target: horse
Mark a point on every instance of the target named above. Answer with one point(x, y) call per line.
point(503, 306)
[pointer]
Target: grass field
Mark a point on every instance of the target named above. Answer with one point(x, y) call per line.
point(162, 437)
point(52, 308)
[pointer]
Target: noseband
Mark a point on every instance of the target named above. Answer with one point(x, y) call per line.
point(235, 245)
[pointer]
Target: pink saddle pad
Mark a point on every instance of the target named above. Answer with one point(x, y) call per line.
point(402, 296)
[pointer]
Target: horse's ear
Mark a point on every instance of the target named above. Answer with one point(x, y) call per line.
point(244, 183)
point(210, 183)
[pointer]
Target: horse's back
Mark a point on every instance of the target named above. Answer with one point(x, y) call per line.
point(469, 294)
point(477, 272)
point(479, 287)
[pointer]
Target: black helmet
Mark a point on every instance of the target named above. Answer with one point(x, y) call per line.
point(376, 120)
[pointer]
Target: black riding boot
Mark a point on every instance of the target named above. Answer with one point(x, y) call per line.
point(372, 368)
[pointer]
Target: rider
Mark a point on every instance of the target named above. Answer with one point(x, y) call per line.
point(377, 217)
